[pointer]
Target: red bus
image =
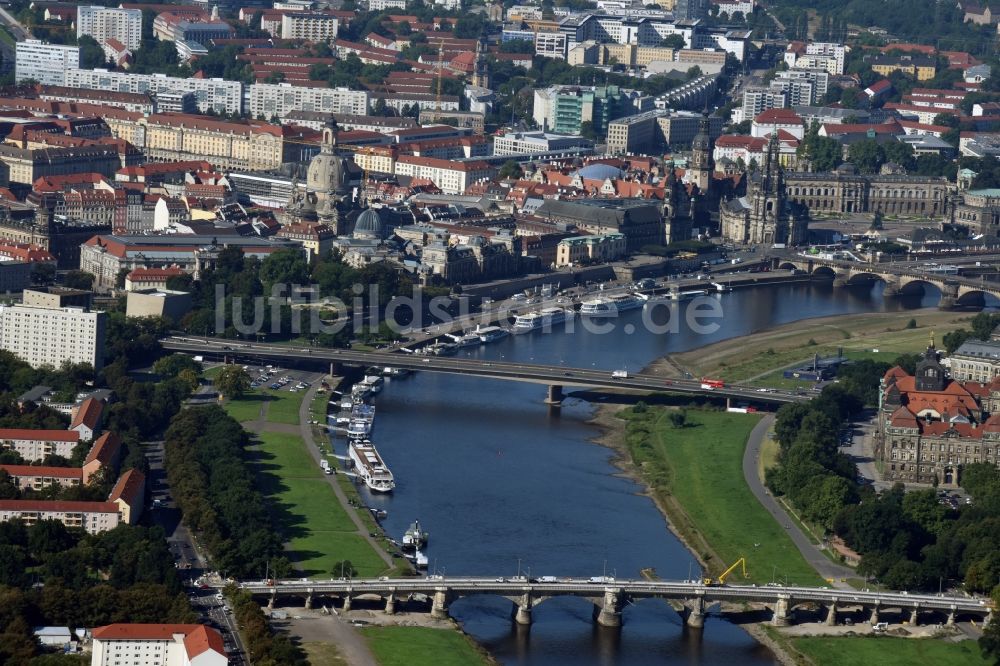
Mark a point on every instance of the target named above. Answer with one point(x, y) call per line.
point(712, 383)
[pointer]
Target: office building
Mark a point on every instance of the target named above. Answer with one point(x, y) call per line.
point(45, 63)
point(103, 23)
point(52, 336)
point(164, 644)
point(564, 109)
point(690, 9)
point(268, 100)
point(519, 143)
point(975, 361)
point(451, 176)
point(606, 247)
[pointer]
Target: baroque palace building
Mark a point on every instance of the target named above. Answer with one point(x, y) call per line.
point(930, 426)
point(844, 190)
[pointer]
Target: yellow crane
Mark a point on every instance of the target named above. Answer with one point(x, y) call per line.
point(721, 580)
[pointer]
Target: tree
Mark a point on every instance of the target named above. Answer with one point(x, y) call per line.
point(675, 42)
point(587, 130)
point(43, 273)
point(678, 419)
point(511, 169)
point(868, 155)
point(284, 267)
point(91, 53)
point(876, 224)
point(78, 280)
point(233, 381)
point(343, 569)
point(173, 365)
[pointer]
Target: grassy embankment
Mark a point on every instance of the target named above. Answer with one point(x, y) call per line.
point(881, 650)
point(760, 358)
point(422, 646)
point(695, 472)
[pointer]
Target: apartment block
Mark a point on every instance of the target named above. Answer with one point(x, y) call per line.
point(211, 94)
point(53, 336)
point(308, 26)
point(34, 445)
point(43, 62)
point(103, 23)
point(278, 99)
point(93, 517)
point(164, 644)
point(38, 477)
point(519, 143)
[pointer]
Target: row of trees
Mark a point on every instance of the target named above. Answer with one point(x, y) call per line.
point(264, 647)
point(981, 327)
point(50, 553)
point(215, 489)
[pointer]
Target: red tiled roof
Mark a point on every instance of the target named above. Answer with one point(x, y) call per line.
point(104, 449)
point(43, 470)
point(153, 274)
point(786, 116)
point(88, 414)
point(41, 435)
point(129, 487)
point(58, 505)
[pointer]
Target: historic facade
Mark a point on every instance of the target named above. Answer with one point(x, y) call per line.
point(930, 425)
point(847, 191)
point(764, 215)
point(327, 197)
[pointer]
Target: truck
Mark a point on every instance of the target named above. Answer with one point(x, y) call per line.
point(325, 464)
point(620, 374)
point(601, 579)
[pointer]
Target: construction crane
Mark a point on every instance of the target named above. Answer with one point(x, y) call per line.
point(721, 580)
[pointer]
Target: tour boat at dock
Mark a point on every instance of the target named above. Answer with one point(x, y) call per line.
point(545, 318)
point(369, 467)
point(610, 306)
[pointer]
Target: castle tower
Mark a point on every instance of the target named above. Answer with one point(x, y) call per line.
point(481, 75)
point(702, 164)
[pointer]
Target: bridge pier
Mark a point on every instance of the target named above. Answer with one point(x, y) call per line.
point(841, 279)
point(946, 303)
point(439, 606)
point(522, 611)
point(347, 603)
point(696, 612)
point(270, 599)
point(610, 613)
point(309, 600)
point(915, 616)
point(781, 616)
point(831, 615)
point(891, 289)
point(874, 618)
point(390, 603)
point(555, 395)
point(951, 618)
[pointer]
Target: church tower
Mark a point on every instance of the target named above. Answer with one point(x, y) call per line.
point(481, 76)
point(702, 165)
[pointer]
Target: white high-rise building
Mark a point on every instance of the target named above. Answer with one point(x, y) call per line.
point(44, 62)
point(215, 94)
point(103, 23)
point(52, 336)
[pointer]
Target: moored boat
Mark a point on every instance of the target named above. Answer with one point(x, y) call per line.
point(370, 468)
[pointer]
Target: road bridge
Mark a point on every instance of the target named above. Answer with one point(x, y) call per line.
point(898, 278)
point(556, 377)
point(610, 596)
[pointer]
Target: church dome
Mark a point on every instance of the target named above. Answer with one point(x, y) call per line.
point(327, 173)
point(369, 225)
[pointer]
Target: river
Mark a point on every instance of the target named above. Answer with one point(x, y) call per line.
point(503, 483)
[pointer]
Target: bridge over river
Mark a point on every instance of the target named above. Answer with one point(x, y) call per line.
point(609, 596)
point(899, 279)
point(556, 377)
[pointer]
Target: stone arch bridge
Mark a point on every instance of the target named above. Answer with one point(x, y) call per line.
point(690, 598)
point(955, 290)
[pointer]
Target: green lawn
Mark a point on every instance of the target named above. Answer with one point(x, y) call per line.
point(697, 472)
point(316, 527)
point(246, 408)
point(422, 646)
point(888, 651)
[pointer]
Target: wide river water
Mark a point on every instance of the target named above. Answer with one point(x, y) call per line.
point(502, 482)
